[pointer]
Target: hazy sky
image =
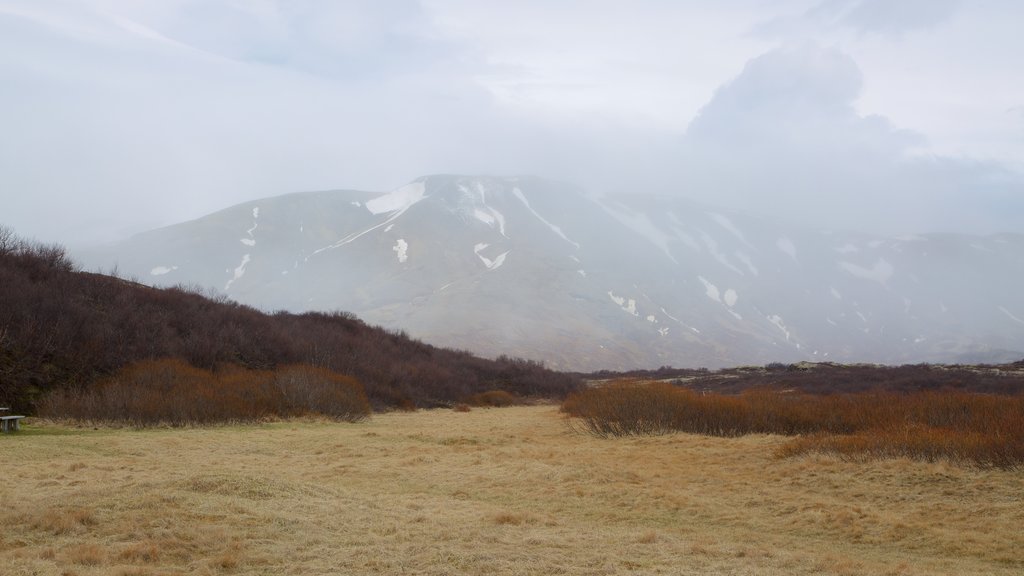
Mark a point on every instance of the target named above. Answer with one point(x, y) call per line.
point(884, 115)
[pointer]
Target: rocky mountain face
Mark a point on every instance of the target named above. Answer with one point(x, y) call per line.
point(532, 268)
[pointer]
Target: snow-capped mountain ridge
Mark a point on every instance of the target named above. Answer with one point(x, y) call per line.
point(532, 268)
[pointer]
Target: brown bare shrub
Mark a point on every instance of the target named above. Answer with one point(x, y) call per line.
point(171, 392)
point(981, 429)
point(493, 399)
point(312, 390)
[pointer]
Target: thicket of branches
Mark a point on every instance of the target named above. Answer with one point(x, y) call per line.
point(171, 392)
point(982, 429)
point(65, 329)
point(830, 378)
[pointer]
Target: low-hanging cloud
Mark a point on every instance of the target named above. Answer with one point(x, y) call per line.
point(784, 138)
point(122, 116)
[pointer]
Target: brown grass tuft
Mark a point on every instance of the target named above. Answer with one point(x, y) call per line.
point(86, 555)
point(513, 519)
point(60, 521)
point(147, 552)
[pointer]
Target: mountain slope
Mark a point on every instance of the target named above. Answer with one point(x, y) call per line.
point(534, 268)
point(65, 329)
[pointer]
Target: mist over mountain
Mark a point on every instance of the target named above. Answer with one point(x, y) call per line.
point(539, 269)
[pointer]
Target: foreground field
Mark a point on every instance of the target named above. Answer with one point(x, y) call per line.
point(500, 491)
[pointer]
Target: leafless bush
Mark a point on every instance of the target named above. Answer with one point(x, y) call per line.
point(982, 429)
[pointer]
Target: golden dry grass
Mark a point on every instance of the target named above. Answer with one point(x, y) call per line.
point(497, 491)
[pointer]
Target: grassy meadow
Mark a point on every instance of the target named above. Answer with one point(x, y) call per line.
point(513, 490)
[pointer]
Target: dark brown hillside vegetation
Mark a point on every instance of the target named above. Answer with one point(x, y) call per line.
point(829, 378)
point(981, 429)
point(62, 329)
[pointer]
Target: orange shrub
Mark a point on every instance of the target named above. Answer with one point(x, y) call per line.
point(308, 389)
point(170, 391)
point(982, 429)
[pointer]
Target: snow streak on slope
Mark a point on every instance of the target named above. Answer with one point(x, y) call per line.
point(880, 272)
point(1011, 316)
point(400, 199)
point(490, 264)
point(728, 225)
point(712, 247)
point(238, 273)
point(684, 324)
point(642, 225)
point(777, 321)
point(786, 246)
point(251, 240)
point(396, 202)
point(484, 213)
point(519, 194)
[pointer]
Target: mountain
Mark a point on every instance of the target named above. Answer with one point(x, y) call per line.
point(63, 329)
point(538, 269)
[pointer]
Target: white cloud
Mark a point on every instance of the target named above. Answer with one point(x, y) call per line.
point(784, 138)
point(124, 115)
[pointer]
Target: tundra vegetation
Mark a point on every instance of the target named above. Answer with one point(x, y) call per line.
point(981, 429)
point(782, 469)
point(491, 491)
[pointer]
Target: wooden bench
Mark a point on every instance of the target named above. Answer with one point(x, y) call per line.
point(9, 423)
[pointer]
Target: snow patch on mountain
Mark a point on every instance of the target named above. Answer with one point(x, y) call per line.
point(777, 321)
point(1010, 315)
point(490, 264)
point(712, 247)
point(640, 224)
point(678, 321)
point(710, 290)
point(880, 272)
point(745, 259)
point(400, 199)
point(728, 225)
point(730, 297)
point(629, 305)
point(522, 198)
point(251, 240)
point(356, 235)
point(401, 249)
point(161, 270)
point(238, 272)
point(677, 227)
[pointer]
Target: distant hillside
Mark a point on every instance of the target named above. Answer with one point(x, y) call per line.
point(538, 269)
point(60, 327)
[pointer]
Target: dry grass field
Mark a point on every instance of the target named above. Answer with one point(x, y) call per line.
point(489, 491)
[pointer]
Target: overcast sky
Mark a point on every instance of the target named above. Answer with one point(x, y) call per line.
point(891, 116)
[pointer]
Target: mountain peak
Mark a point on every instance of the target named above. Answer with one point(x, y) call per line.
point(534, 268)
